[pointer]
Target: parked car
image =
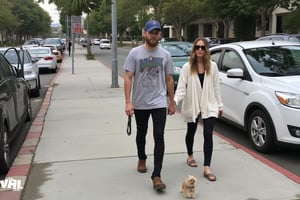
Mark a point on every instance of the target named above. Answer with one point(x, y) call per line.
point(96, 41)
point(33, 42)
point(260, 87)
point(212, 41)
point(55, 42)
point(185, 46)
point(57, 53)
point(179, 58)
point(84, 42)
point(105, 44)
point(281, 36)
point(31, 71)
point(46, 57)
point(15, 108)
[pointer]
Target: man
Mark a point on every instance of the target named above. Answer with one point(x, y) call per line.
point(149, 68)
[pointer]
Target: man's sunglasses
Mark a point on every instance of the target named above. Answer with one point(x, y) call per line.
point(200, 47)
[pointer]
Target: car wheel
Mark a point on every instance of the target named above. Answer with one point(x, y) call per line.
point(39, 81)
point(4, 150)
point(261, 132)
point(29, 109)
point(36, 91)
point(55, 69)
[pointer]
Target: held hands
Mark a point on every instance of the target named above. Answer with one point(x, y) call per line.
point(172, 108)
point(220, 112)
point(129, 109)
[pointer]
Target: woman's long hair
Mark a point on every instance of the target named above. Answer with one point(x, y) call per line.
point(206, 57)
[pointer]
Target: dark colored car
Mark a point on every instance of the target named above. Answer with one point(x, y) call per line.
point(55, 42)
point(15, 108)
point(179, 57)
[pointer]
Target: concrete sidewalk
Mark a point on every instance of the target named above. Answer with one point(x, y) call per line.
point(83, 152)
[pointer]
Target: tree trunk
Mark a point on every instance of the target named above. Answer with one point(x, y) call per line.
point(226, 23)
point(263, 24)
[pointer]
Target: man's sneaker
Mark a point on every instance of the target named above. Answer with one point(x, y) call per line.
point(158, 185)
point(141, 166)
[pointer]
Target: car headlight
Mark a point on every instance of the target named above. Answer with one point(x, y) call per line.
point(177, 69)
point(289, 99)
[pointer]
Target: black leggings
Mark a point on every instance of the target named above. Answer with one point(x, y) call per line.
point(208, 125)
point(159, 121)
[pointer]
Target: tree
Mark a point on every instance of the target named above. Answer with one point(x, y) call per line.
point(180, 18)
point(291, 23)
point(33, 19)
point(8, 21)
point(76, 7)
point(100, 20)
point(264, 9)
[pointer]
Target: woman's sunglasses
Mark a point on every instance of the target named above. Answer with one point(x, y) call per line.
point(200, 47)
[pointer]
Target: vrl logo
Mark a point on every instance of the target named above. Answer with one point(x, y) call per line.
point(11, 183)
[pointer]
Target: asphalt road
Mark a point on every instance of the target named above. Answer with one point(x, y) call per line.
point(286, 157)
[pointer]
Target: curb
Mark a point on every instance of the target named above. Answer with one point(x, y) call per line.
point(21, 166)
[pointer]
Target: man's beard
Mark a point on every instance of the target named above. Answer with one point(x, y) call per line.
point(151, 43)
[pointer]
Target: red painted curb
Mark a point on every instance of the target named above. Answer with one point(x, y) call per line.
point(271, 164)
point(34, 132)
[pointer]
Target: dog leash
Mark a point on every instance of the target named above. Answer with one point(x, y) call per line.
point(129, 126)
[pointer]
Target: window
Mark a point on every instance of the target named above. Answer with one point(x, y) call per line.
point(231, 60)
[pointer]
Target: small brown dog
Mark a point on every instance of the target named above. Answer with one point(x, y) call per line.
point(188, 187)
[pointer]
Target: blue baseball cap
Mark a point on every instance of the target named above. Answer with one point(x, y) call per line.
point(151, 25)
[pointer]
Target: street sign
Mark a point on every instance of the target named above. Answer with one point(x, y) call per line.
point(76, 24)
point(77, 28)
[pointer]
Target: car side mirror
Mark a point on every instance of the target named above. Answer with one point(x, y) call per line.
point(235, 73)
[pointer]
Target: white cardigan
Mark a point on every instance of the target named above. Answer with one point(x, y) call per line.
point(208, 100)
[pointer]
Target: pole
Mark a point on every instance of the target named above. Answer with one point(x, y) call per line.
point(114, 45)
point(72, 39)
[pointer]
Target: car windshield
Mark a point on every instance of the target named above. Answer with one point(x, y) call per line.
point(52, 41)
point(275, 60)
point(39, 51)
point(12, 57)
point(31, 42)
point(175, 51)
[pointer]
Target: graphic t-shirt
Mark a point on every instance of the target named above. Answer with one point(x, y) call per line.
point(150, 69)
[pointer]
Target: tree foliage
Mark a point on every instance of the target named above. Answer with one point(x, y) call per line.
point(20, 21)
point(291, 23)
point(77, 7)
point(180, 18)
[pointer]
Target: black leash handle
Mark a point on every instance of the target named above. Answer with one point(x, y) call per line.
point(129, 126)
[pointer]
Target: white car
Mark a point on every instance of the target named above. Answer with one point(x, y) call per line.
point(31, 69)
point(105, 44)
point(96, 41)
point(260, 88)
point(46, 58)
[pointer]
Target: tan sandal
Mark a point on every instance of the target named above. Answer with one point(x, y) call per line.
point(210, 176)
point(192, 163)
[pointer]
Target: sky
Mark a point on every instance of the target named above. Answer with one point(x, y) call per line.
point(52, 10)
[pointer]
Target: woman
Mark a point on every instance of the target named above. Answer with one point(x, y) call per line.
point(198, 89)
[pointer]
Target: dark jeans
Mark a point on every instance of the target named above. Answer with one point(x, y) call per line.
point(159, 121)
point(208, 125)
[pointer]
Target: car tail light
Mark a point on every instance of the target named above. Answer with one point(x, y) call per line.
point(48, 58)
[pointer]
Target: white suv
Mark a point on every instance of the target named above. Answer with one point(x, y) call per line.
point(105, 44)
point(260, 87)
